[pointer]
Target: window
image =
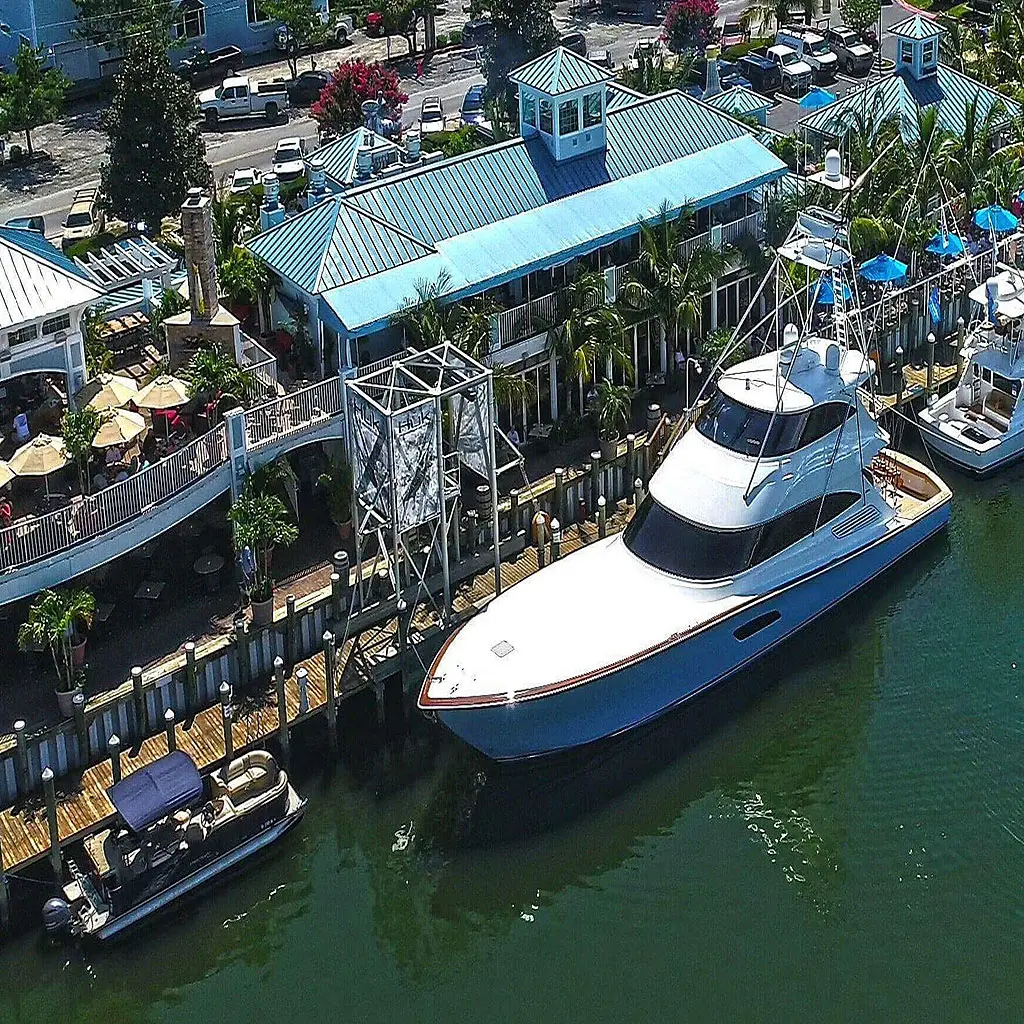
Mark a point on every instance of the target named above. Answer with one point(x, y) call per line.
point(906, 52)
point(79, 219)
point(254, 13)
point(823, 419)
point(928, 53)
point(568, 117)
point(546, 117)
point(530, 110)
point(675, 545)
point(23, 334)
point(742, 429)
point(57, 323)
point(191, 21)
point(591, 109)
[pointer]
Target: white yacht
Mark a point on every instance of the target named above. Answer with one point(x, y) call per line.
point(979, 425)
point(782, 501)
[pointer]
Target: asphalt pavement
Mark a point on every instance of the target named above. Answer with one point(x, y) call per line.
point(77, 143)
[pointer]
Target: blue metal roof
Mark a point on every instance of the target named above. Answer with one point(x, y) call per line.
point(40, 248)
point(339, 156)
point(446, 199)
point(739, 100)
point(618, 96)
point(561, 229)
point(331, 244)
point(900, 97)
point(916, 27)
point(560, 71)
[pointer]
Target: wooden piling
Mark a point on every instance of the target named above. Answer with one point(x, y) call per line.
point(21, 757)
point(899, 376)
point(242, 652)
point(284, 736)
point(81, 731)
point(139, 703)
point(302, 679)
point(225, 707)
point(5, 895)
point(471, 535)
point(602, 517)
point(330, 664)
point(191, 680)
point(341, 592)
point(961, 337)
point(290, 637)
point(638, 491)
point(49, 788)
point(630, 473)
point(930, 380)
point(402, 614)
point(595, 479)
point(556, 540)
point(513, 512)
point(172, 740)
point(559, 510)
point(114, 749)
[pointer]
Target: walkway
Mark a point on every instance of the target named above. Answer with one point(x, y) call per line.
point(24, 836)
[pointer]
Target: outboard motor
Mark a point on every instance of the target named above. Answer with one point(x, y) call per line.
point(56, 917)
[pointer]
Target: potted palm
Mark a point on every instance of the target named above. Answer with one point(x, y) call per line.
point(78, 429)
point(336, 483)
point(261, 523)
point(611, 408)
point(212, 373)
point(53, 623)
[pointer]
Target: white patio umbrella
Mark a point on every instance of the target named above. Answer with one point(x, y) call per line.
point(6, 474)
point(120, 427)
point(108, 391)
point(41, 456)
point(165, 392)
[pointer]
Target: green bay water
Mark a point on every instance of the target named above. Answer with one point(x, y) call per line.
point(836, 835)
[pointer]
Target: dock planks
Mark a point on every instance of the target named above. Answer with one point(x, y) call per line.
point(82, 802)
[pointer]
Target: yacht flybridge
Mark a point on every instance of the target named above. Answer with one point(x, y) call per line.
point(782, 501)
point(979, 425)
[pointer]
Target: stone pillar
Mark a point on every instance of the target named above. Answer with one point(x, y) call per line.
point(234, 423)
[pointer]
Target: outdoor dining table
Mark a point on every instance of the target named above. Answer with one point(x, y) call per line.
point(208, 568)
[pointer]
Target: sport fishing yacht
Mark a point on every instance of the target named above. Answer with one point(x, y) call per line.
point(779, 503)
point(979, 425)
point(173, 834)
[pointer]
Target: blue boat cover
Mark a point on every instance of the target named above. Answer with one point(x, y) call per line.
point(155, 791)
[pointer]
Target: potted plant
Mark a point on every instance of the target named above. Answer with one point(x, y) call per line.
point(336, 483)
point(78, 429)
point(212, 373)
point(612, 409)
point(261, 523)
point(52, 623)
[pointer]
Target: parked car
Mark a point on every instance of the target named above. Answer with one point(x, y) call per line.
point(375, 24)
point(733, 34)
point(796, 73)
point(602, 57)
point(244, 179)
point(812, 49)
point(729, 74)
point(855, 56)
point(649, 10)
point(28, 224)
point(340, 28)
point(764, 75)
point(290, 158)
point(473, 110)
point(574, 41)
point(306, 88)
point(477, 31)
point(206, 67)
point(870, 36)
point(238, 97)
point(85, 220)
point(647, 49)
point(431, 115)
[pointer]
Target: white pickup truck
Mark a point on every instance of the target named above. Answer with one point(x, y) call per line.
point(238, 97)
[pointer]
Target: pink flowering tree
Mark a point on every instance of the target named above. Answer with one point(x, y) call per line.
point(689, 24)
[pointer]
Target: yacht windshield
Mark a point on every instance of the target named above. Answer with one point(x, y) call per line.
point(742, 429)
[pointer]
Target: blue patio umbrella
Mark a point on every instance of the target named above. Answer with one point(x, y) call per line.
point(827, 291)
point(995, 218)
point(817, 98)
point(945, 244)
point(883, 268)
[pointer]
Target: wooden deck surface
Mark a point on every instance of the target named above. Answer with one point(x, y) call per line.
point(82, 802)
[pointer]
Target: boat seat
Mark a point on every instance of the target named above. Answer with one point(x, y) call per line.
point(996, 416)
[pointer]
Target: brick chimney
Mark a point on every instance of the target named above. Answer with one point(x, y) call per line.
point(200, 254)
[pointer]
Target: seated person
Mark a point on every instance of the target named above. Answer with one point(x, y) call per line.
point(114, 456)
point(21, 431)
point(6, 512)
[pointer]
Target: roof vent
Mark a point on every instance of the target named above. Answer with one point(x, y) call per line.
point(502, 648)
point(412, 146)
point(317, 175)
point(364, 162)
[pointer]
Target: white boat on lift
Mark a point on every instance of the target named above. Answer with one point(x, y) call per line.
point(979, 425)
point(782, 501)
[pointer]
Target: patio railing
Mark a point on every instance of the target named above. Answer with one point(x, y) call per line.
point(290, 413)
point(260, 364)
point(36, 537)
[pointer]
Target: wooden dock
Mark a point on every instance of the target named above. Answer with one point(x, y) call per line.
point(916, 385)
point(82, 802)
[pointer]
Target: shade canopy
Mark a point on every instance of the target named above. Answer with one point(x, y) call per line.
point(944, 243)
point(120, 427)
point(827, 292)
point(108, 391)
point(817, 98)
point(6, 474)
point(159, 789)
point(997, 219)
point(41, 456)
point(165, 392)
point(883, 268)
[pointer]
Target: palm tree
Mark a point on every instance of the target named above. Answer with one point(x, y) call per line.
point(772, 14)
point(967, 158)
point(425, 320)
point(79, 428)
point(51, 623)
point(261, 522)
point(471, 326)
point(668, 288)
point(211, 372)
point(588, 334)
point(612, 406)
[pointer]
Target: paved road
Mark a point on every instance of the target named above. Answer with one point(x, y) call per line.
point(247, 145)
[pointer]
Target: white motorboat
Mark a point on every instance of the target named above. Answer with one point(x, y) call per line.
point(979, 425)
point(781, 502)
